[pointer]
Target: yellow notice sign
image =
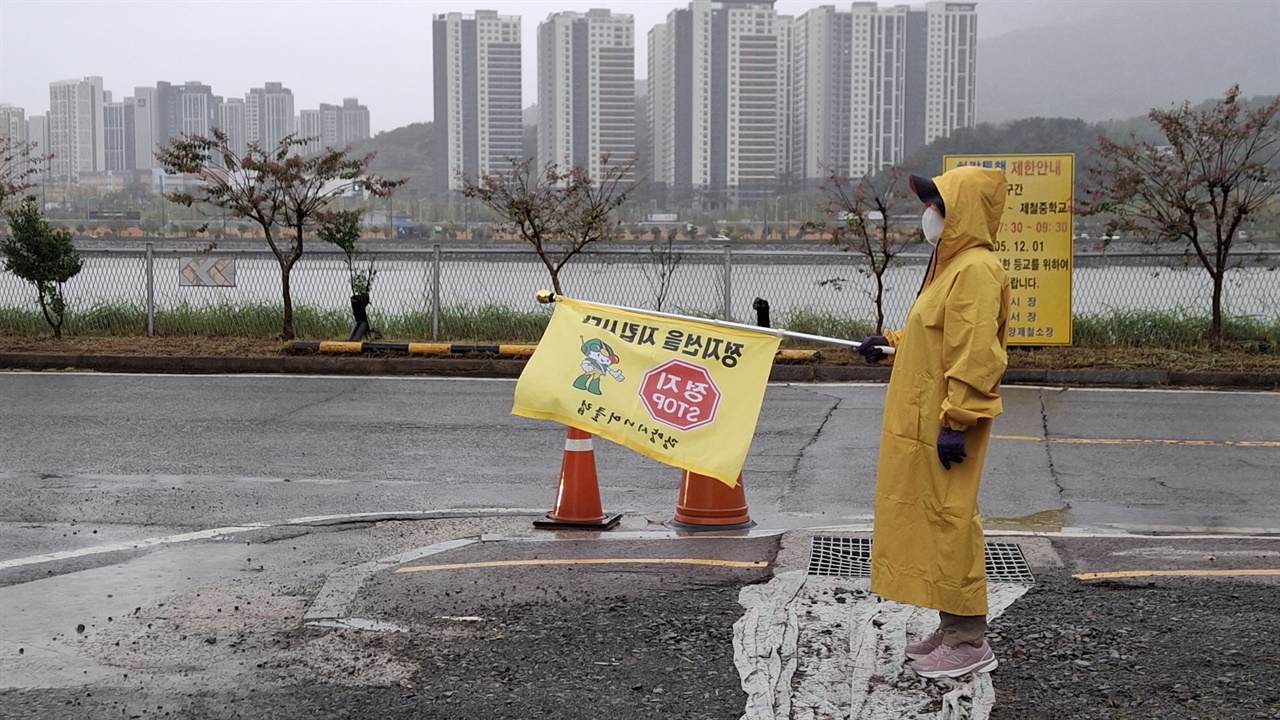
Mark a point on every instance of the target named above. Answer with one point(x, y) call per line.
point(1034, 242)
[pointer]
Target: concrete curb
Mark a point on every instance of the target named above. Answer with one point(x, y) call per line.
point(349, 363)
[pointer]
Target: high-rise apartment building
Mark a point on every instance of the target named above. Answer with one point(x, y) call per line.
point(352, 122)
point(118, 135)
point(714, 96)
point(334, 126)
point(13, 123)
point(586, 90)
point(269, 115)
point(190, 108)
point(232, 121)
point(146, 121)
point(75, 128)
point(874, 84)
point(878, 99)
point(477, 94)
point(947, 38)
point(821, 65)
point(38, 133)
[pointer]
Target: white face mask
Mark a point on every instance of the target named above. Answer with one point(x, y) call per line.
point(931, 222)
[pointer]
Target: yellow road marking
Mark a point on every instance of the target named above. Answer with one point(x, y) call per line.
point(1176, 573)
point(588, 561)
point(1137, 441)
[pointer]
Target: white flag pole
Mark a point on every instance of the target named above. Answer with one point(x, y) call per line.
point(546, 296)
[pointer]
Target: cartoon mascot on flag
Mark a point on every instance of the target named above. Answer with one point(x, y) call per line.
point(599, 361)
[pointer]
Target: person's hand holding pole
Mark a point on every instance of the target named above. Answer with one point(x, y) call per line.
point(869, 348)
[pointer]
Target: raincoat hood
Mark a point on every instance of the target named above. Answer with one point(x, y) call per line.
point(974, 198)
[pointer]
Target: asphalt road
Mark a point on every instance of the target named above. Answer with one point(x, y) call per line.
point(283, 546)
point(199, 451)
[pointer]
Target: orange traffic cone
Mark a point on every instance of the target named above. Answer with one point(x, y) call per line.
point(705, 503)
point(578, 499)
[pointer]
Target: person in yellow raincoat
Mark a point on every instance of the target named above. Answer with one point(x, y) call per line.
point(944, 390)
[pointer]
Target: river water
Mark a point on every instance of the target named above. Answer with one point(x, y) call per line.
point(827, 283)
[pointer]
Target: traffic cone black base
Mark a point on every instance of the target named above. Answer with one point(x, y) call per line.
point(578, 497)
point(550, 524)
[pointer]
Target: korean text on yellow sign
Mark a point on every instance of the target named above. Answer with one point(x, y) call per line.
point(683, 392)
point(1034, 242)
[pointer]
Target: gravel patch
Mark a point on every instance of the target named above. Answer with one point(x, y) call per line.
point(1176, 648)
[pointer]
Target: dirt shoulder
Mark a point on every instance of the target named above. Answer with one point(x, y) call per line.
point(1050, 358)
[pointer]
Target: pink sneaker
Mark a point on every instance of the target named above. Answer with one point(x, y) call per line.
point(921, 650)
point(953, 662)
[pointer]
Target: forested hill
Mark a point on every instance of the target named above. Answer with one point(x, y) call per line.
point(1128, 57)
point(402, 152)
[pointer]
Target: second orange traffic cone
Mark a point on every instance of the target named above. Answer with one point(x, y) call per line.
point(705, 504)
point(578, 498)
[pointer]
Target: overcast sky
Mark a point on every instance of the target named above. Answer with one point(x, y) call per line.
point(326, 50)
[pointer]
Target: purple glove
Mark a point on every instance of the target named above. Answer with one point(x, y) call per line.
point(868, 350)
point(950, 446)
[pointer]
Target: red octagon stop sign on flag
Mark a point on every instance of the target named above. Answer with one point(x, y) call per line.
point(680, 394)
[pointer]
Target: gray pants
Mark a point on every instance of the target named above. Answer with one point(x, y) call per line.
point(958, 629)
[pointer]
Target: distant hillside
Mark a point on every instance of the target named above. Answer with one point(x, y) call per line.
point(1130, 57)
point(402, 152)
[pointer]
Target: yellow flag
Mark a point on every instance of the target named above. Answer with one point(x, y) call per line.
point(683, 392)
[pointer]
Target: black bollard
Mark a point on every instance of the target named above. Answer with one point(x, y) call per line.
point(761, 306)
point(359, 310)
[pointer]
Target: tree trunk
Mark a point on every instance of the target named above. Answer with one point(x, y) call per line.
point(44, 309)
point(879, 302)
point(287, 330)
point(1215, 322)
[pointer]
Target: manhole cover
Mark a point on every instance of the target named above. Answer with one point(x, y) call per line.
point(851, 557)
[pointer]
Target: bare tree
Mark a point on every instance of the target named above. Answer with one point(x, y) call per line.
point(1218, 168)
point(20, 165)
point(662, 268)
point(559, 212)
point(859, 214)
point(288, 195)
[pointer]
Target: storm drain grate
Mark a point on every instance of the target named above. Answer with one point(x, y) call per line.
point(851, 557)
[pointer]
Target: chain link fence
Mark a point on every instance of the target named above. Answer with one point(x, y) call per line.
point(446, 293)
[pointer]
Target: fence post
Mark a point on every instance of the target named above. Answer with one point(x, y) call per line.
point(151, 291)
point(728, 284)
point(435, 292)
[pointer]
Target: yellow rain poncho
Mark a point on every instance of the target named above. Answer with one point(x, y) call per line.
point(928, 547)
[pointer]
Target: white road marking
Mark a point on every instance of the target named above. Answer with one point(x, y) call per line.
point(214, 533)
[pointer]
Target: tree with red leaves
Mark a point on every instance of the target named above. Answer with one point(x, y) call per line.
point(1217, 168)
point(287, 194)
point(558, 211)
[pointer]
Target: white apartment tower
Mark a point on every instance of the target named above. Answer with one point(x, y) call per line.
point(146, 126)
point(714, 97)
point(269, 115)
point(821, 66)
point(352, 121)
point(38, 133)
point(874, 84)
point(233, 120)
point(879, 81)
point(947, 90)
point(13, 123)
point(334, 126)
point(117, 134)
point(476, 69)
point(75, 128)
point(586, 90)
